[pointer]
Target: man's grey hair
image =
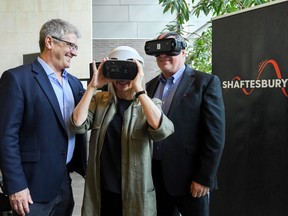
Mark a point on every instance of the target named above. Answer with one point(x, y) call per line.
point(57, 28)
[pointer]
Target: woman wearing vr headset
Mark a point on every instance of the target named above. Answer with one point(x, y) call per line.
point(124, 122)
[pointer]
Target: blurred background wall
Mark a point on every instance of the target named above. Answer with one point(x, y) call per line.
point(104, 24)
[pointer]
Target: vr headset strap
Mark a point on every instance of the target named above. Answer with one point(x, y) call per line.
point(173, 34)
point(168, 35)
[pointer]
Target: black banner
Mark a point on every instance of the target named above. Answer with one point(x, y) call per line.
point(250, 55)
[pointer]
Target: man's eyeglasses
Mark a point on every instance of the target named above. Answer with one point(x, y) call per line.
point(72, 46)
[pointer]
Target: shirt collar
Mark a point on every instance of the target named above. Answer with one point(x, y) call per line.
point(48, 69)
point(176, 76)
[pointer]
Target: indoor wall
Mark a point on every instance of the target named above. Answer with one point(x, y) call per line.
point(20, 22)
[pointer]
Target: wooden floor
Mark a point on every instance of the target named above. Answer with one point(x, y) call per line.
point(78, 188)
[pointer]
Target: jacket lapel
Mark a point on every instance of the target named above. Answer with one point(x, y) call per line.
point(153, 86)
point(75, 85)
point(184, 86)
point(47, 88)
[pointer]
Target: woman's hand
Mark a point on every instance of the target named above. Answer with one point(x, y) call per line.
point(98, 80)
point(137, 82)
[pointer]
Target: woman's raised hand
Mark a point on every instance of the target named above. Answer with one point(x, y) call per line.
point(137, 82)
point(98, 80)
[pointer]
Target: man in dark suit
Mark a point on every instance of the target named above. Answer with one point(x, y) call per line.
point(185, 164)
point(37, 149)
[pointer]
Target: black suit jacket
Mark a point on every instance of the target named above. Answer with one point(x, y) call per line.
point(33, 138)
point(193, 151)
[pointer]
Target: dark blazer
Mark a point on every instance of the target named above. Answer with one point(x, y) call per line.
point(193, 151)
point(33, 139)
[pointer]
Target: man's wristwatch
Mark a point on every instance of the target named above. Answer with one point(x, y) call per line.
point(140, 92)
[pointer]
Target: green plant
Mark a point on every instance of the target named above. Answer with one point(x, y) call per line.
point(199, 52)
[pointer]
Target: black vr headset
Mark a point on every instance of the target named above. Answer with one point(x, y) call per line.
point(120, 69)
point(117, 69)
point(168, 46)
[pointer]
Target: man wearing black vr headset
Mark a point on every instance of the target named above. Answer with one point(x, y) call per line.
point(185, 163)
point(171, 46)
